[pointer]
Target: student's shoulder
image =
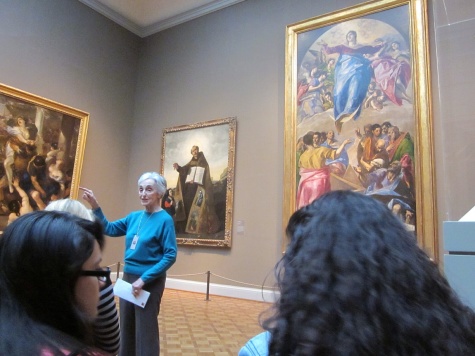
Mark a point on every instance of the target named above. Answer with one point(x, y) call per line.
point(257, 346)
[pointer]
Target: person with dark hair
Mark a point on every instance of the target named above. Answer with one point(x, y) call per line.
point(369, 145)
point(384, 132)
point(14, 207)
point(50, 277)
point(150, 250)
point(54, 153)
point(106, 328)
point(354, 282)
point(38, 174)
point(327, 100)
point(168, 202)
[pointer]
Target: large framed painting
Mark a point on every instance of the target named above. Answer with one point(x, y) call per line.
point(198, 164)
point(358, 111)
point(41, 148)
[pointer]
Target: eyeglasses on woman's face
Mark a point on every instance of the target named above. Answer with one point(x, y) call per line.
point(102, 274)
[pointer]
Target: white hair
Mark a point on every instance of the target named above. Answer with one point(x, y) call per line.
point(160, 182)
point(71, 206)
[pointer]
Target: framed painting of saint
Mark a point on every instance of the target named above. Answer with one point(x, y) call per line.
point(198, 164)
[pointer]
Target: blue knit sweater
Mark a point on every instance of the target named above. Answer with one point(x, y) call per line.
point(156, 248)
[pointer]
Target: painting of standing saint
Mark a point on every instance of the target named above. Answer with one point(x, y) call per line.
point(354, 108)
point(198, 164)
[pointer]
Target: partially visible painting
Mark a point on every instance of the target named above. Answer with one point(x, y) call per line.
point(198, 164)
point(358, 111)
point(41, 152)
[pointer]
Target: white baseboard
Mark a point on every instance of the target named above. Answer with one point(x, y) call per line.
point(260, 295)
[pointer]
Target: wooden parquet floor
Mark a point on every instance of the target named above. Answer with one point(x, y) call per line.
point(189, 325)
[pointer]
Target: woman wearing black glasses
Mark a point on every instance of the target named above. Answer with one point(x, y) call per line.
point(106, 329)
point(50, 278)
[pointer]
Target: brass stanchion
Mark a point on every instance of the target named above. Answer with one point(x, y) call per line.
point(208, 274)
point(118, 271)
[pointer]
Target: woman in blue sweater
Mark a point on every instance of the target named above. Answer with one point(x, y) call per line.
point(150, 250)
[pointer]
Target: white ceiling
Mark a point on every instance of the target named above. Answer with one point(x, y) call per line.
point(146, 17)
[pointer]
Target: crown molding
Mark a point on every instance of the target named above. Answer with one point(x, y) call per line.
point(188, 16)
point(144, 31)
point(114, 16)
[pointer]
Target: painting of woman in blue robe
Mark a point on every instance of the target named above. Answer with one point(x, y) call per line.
point(353, 73)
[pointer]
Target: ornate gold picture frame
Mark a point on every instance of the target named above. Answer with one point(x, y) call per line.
point(41, 151)
point(198, 164)
point(357, 96)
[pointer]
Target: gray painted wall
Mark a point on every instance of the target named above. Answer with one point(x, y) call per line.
point(228, 63)
point(68, 53)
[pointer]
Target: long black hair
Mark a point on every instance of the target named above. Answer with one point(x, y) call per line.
point(354, 282)
point(41, 255)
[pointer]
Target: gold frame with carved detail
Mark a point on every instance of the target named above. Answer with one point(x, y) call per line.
point(417, 41)
point(52, 123)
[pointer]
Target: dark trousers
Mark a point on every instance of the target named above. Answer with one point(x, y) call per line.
point(139, 326)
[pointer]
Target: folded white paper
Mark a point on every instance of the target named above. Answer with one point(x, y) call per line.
point(123, 290)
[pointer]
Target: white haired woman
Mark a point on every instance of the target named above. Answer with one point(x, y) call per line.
point(150, 250)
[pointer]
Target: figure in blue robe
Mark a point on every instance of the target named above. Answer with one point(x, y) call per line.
point(353, 73)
